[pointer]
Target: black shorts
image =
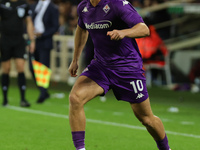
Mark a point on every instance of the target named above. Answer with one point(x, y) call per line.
point(12, 47)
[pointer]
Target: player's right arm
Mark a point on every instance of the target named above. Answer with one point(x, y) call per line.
point(81, 36)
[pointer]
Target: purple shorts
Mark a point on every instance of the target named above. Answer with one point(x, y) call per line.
point(128, 85)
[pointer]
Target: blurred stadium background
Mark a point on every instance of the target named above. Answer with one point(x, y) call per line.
point(176, 21)
point(174, 90)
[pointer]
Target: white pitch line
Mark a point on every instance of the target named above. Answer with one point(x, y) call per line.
point(187, 123)
point(95, 121)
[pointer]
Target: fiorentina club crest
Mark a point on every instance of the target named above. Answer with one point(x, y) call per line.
point(106, 8)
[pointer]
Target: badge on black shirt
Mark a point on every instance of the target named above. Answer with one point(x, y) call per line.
point(20, 12)
point(7, 4)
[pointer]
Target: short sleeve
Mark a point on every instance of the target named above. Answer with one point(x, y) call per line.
point(127, 13)
point(80, 21)
point(28, 11)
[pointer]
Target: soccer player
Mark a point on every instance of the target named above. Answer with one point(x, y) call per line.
point(13, 13)
point(113, 26)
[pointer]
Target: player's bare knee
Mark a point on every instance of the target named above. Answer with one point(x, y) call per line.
point(147, 122)
point(20, 70)
point(6, 70)
point(75, 100)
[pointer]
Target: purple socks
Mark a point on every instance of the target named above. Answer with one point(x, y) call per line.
point(163, 144)
point(78, 139)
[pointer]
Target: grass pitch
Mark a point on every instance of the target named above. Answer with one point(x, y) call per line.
point(111, 125)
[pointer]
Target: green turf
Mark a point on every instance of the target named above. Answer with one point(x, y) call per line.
point(111, 125)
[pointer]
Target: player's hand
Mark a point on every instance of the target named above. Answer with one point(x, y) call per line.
point(73, 69)
point(32, 47)
point(115, 35)
point(37, 35)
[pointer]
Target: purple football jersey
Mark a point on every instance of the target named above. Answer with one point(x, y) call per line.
point(107, 16)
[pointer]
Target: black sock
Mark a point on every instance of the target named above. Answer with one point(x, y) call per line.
point(22, 85)
point(43, 92)
point(5, 84)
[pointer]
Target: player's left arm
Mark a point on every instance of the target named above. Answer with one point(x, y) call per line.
point(137, 31)
point(30, 31)
point(136, 27)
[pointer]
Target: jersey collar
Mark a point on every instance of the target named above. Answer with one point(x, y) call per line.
point(99, 4)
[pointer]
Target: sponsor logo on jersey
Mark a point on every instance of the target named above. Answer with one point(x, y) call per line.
point(103, 24)
point(85, 9)
point(125, 2)
point(140, 95)
point(106, 8)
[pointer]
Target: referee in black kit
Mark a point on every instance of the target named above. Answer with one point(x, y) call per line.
point(13, 14)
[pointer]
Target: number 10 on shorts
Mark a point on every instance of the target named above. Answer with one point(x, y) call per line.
point(137, 85)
